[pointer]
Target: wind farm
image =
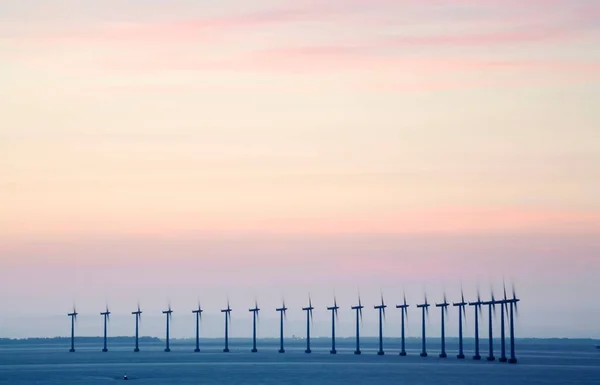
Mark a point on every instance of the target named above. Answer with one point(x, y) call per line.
point(404, 348)
point(508, 309)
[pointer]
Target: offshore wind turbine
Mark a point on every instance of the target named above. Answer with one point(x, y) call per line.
point(198, 313)
point(513, 309)
point(282, 314)
point(404, 309)
point(138, 319)
point(461, 313)
point(73, 316)
point(106, 315)
point(334, 315)
point(309, 318)
point(358, 308)
point(444, 308)
point(381, 309)
point(169, 315)
point(227, 319)
point(425, 311)
point(254, 311)
point(503, 308)
point(492, 311)
point(477, 304)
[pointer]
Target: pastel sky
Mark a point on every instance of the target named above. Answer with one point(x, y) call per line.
point(158, 151)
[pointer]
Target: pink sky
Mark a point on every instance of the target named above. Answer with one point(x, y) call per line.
point(400, 144)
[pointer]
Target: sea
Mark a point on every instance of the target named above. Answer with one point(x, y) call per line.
point(540, 361)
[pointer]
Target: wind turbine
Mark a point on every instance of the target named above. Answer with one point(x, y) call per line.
point(477, 306)
point(334, 315)
point(227, 319)
point(513, 309)
point(254, 311)
point(282, 314)
point(492, 311)
point(138, 320)
point(106, 315)
point(425, 311)
point(381, 309)
point(169, 314)
point(444, 308)
point(358, 310)
point(503, 308)
point(461, 313)
point(309, 318)
point(198, 313)
point(73, 316)
point(404, 309)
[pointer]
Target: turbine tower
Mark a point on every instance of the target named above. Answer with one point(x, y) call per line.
point(334, 315)
point(404, 309)
point(492, 311)
point(425, 311)
point(358, 308)
point(503, 308)
point(309, 318)
point(444, 308)
point(106, 315)
point(461, 313)
point(513, 309)
point(282, 314)
point(477, 306)
point(227, 319)
point(198, 313)
point(169, 314)
point(73, 316)
point(138, 320)
point(381, 309)
point(254, 311)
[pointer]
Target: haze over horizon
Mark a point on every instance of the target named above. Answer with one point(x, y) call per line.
point(157, 152)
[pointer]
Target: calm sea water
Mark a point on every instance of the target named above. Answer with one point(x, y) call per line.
point(540, 362)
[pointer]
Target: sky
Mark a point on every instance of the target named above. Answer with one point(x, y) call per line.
point(177, 151)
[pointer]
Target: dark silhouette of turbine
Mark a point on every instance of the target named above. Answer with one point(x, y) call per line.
point(106, 315)
point(309, 318)
point(404, 310)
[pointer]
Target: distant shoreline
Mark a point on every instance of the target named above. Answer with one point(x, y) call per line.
point(293, 340)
